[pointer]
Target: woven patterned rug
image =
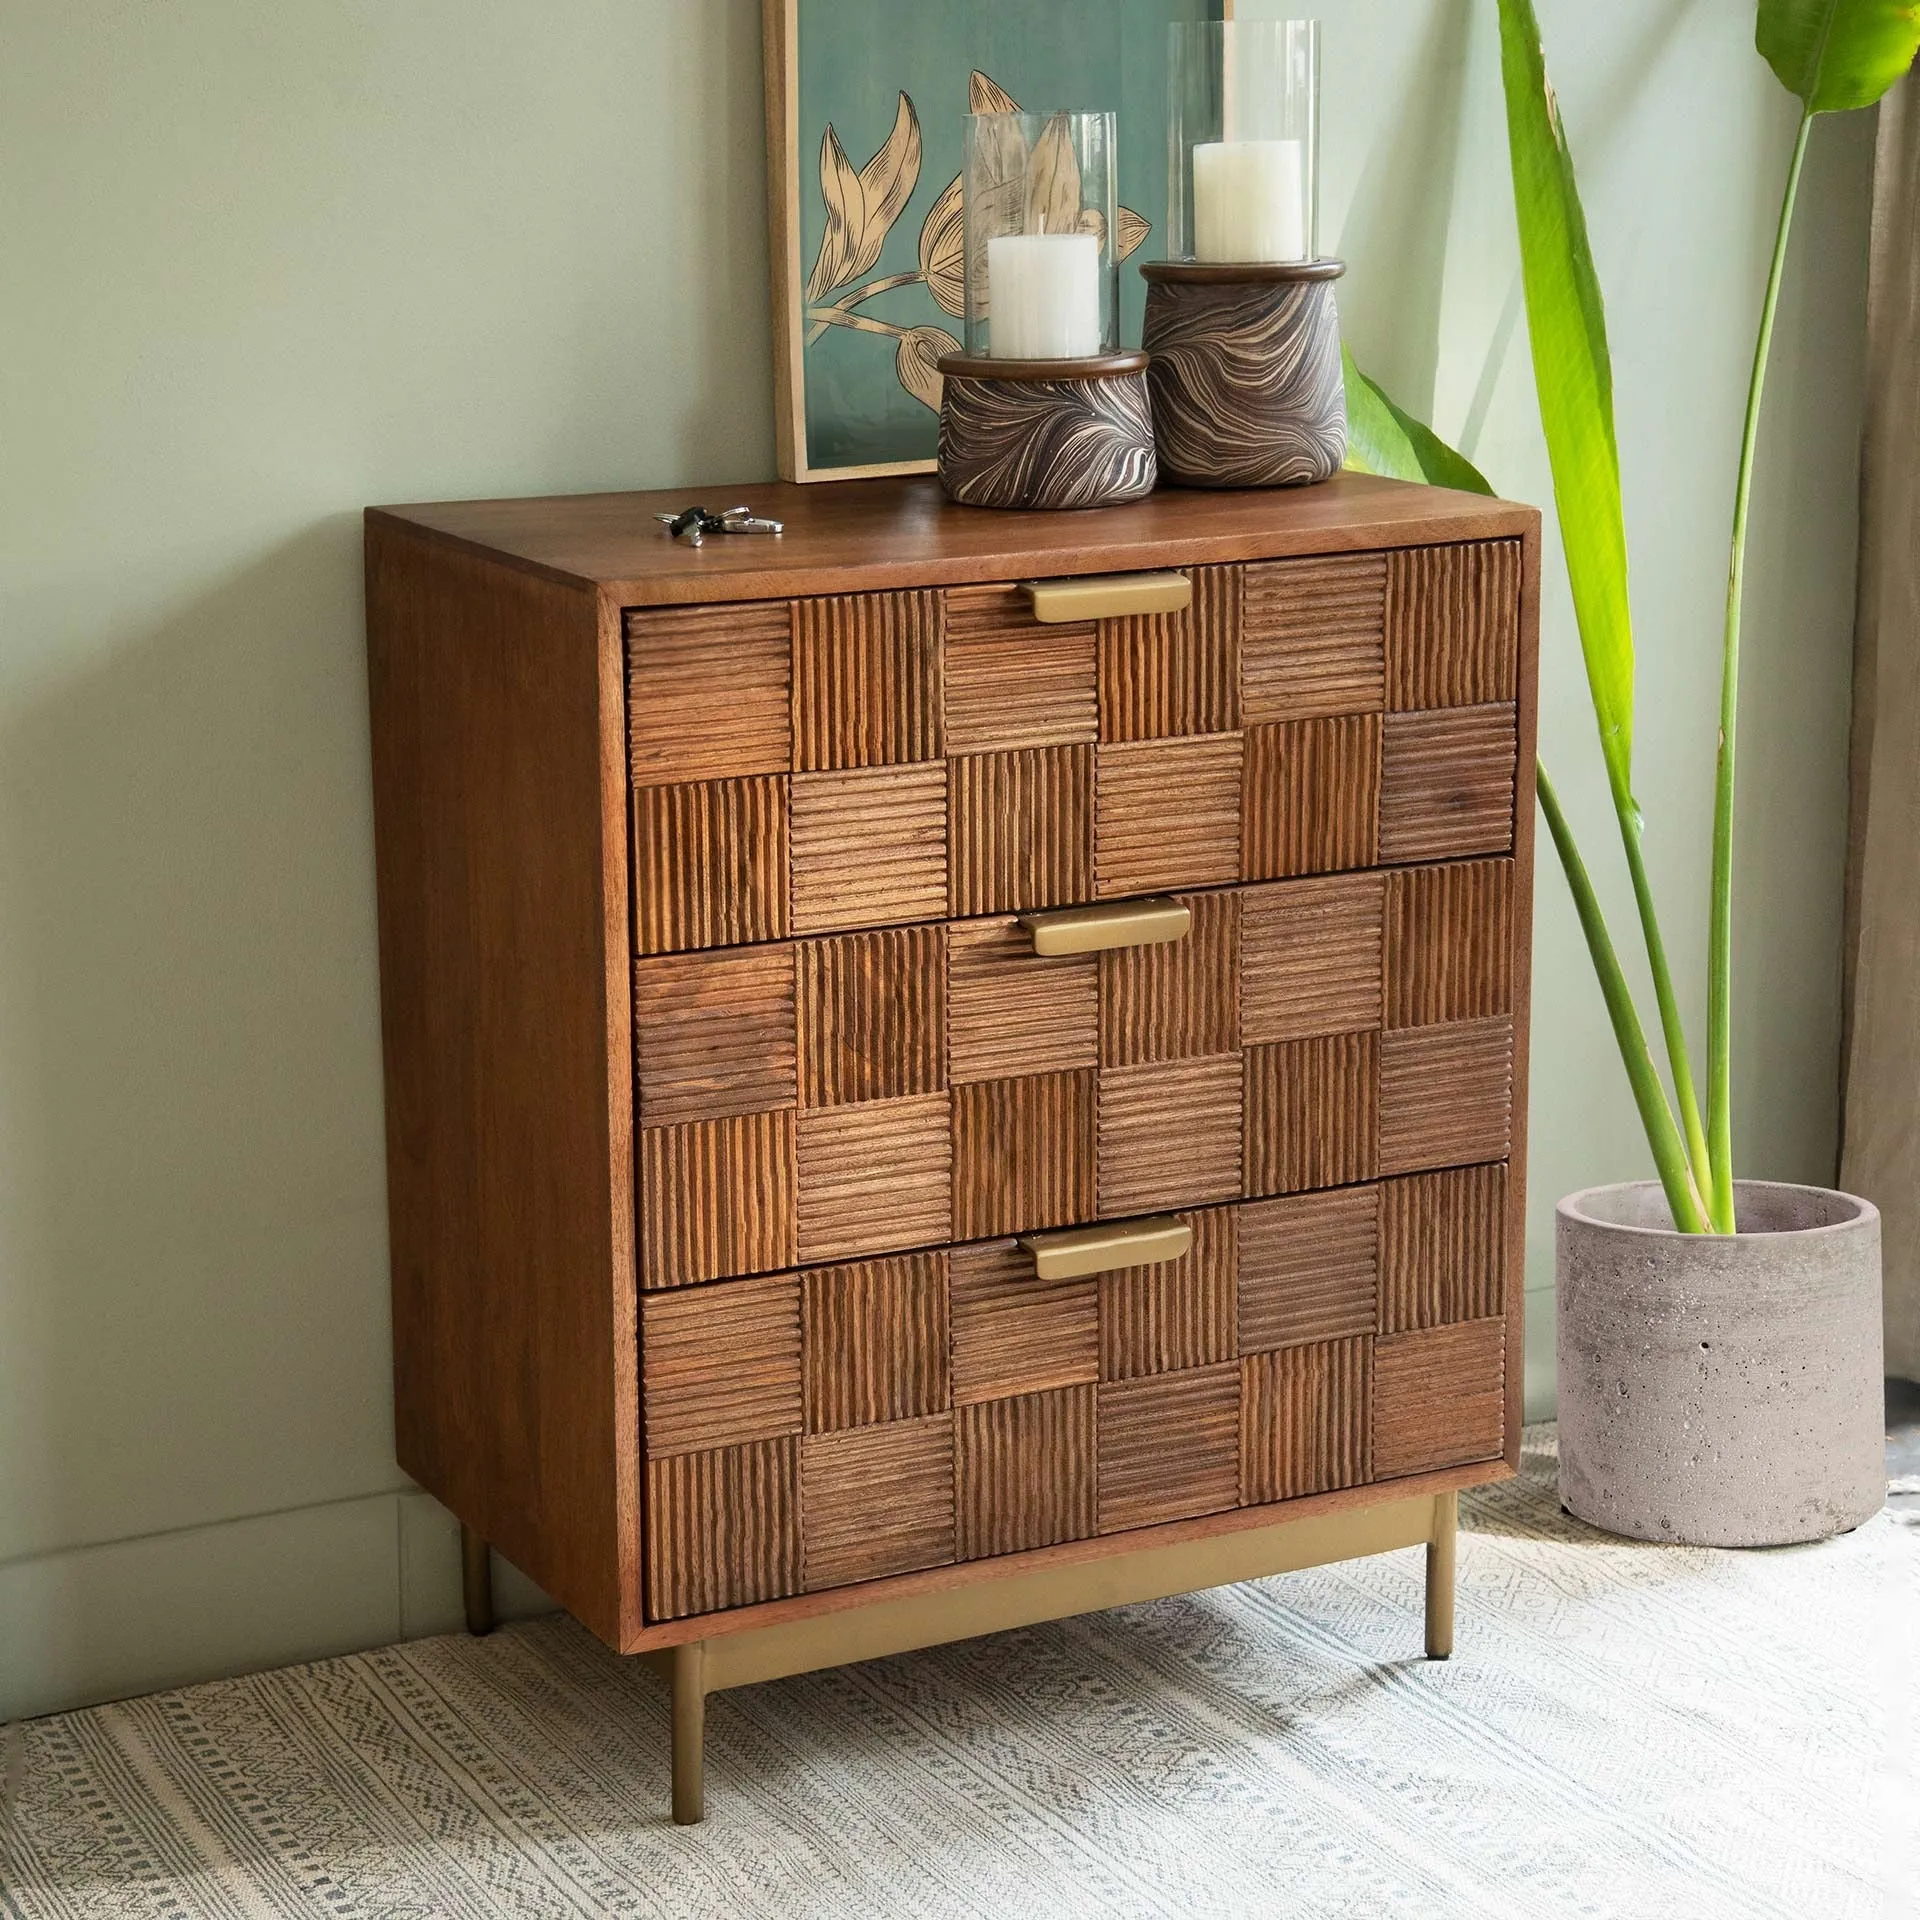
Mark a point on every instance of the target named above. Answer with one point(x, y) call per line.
point(1624, 1730)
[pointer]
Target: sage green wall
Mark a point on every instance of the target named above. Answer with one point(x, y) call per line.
point(262, 264)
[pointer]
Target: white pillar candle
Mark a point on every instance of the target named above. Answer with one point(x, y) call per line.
point(1043, 296)
point(1249, 201)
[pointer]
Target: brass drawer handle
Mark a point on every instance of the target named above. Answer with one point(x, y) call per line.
point(1105, 596)
point(1124, 923)
point(1123, 1243)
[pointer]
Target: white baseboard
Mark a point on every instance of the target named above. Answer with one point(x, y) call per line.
point(132, 1616)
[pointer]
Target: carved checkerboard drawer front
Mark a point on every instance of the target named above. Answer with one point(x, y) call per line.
point(807, 1430)
point(802, 767)
point(852, 800)
point(863, 1093)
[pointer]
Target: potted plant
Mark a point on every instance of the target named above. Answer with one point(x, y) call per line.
point(1719, 1339)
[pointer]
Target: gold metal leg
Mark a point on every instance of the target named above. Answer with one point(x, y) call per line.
point(689, 1733)
point(748, 1656)
point(1440, 1554)
point(476, 1580)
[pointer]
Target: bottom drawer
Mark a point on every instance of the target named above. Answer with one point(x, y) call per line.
point(812, 1429)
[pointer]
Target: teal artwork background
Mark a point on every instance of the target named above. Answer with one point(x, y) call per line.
point(855, 58)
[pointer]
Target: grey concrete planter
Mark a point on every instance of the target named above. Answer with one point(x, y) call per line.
point(1721, 1391)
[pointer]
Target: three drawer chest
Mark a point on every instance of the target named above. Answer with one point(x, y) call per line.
point(950, 1068)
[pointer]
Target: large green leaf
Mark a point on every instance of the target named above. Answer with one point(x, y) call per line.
point(1573, 380)
point(1836, 54)
point(1383, 439)
point(1573, 374)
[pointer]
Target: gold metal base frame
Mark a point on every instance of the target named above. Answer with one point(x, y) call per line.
point(700, 1667)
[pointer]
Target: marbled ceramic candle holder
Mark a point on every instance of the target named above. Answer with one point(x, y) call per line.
point(1046, 433)
point(1245, 373)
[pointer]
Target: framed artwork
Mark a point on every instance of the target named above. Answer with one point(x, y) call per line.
point(865, 105)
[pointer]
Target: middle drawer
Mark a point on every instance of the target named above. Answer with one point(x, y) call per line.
point(862, 1093)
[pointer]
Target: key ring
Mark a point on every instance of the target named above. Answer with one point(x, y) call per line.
point(693, 524)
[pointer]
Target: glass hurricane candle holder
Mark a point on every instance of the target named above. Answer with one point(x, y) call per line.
point(1241, 321)
point(1037, 198)
point(1243, 141)
point(1041, 409)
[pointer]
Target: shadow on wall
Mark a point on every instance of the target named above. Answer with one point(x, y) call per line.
point(189, 1035)
point(1399, 222)
point(1395, 232)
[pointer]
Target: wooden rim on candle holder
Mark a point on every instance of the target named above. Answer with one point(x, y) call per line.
point(1230, 272)
point(1096, 366)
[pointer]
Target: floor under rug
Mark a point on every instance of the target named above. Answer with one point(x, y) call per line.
point(1623, 1730)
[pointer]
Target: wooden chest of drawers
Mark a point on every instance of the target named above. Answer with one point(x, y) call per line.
point(754, 1032)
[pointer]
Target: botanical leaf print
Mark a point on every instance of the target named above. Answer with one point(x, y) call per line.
point(1039, 191)
point(917, 361)
point(862, 206)
point(984, 97)
point(846, 212)
point(888, 180)
point(943, 251)
point(1053, 181)
point(1000, 191)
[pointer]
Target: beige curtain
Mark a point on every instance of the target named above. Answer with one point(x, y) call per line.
point(1880, 1156)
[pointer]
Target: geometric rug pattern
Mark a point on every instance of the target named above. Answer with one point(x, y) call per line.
point(1623, 1730)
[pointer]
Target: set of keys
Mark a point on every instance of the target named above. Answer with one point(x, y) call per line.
point(693, 524)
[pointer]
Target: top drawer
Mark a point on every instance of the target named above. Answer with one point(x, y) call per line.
point(876, 759)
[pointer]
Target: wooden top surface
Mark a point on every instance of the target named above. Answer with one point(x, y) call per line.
point(860, 535)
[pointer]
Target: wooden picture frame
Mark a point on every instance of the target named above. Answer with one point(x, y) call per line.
point(892, 267)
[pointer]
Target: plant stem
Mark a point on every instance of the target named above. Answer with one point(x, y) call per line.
point(1720, 935)
point(859, 294)
point(1669, 1154)
point(1699, 1160)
